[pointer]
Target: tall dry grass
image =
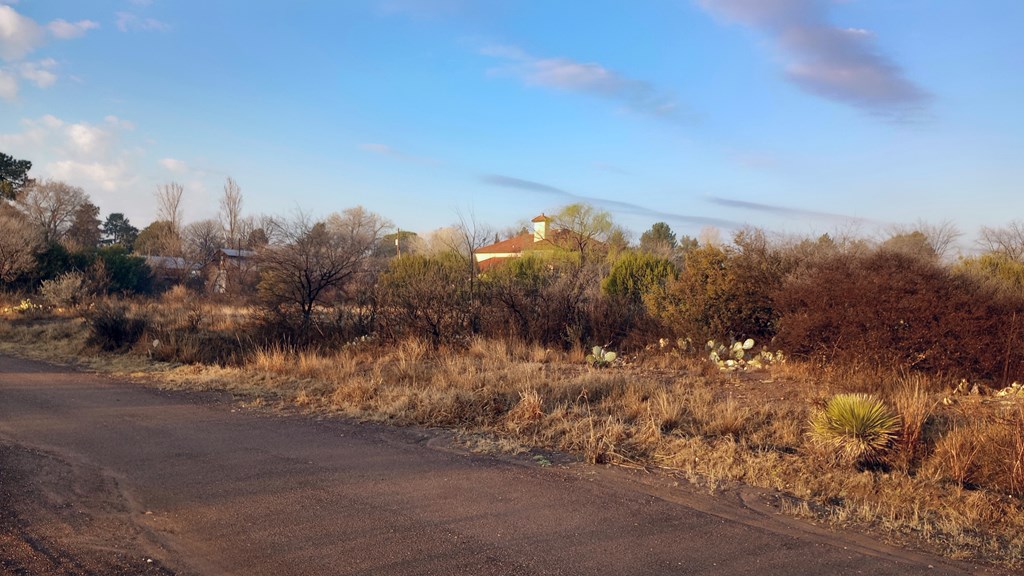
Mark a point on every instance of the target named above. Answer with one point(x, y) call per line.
point(915, 407)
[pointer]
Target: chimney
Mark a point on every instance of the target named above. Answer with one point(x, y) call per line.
point(540, 227)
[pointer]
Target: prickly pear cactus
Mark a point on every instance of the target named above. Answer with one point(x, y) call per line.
point(601, 358)
point(738, 356)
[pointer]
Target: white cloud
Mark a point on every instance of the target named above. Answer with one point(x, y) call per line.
point(66, 30)
point(19, 35)
point(129, 22)
point(87, 154)
point(109, 176)
point(39, 73)
point(119, 123)
point(583, 77)
point(81, 142)
point(86, 140)
point(51, 121)
point(174, 165)
point(569, 75)
point(8, 85)
point(34, 133)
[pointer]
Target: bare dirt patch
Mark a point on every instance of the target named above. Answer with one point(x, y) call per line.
point(57, 518)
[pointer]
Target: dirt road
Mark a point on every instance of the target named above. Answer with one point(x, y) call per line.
point(104, 477)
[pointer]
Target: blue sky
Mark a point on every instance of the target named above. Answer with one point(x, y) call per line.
point(800, 116)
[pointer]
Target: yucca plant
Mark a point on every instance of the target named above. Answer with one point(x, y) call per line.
point(856, 428)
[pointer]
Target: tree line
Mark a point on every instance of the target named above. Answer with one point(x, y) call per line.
point(900, 301)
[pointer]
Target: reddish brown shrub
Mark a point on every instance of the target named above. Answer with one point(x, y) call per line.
point(897, 311)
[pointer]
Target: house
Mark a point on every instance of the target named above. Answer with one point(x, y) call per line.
point(168, 268)
point(543, 237)
point(171, 270)
point(235, 266)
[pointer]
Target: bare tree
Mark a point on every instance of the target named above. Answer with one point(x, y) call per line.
point(168, 209)
point(471, 234)
point(231, 214)
point(710, 236)
point(262, 230)
point(314, 258)
point(941, 236)
point(51, 205)
point(201, 242)
point(447, 239)
point(357, 228)
point(1008, 241)
point(168, 204)
point(932, 240)
point(18, 244)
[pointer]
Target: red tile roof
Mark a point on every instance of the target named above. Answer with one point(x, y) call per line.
point(524, 241)
point(515, 244)
point(557, 239)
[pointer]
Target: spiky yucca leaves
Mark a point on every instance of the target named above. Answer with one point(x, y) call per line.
point(855, 428)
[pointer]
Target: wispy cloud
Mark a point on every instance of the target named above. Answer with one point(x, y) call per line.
point(520, 184)
point(39, 73)
point(130, 22)
point(615, 205)
point(606, 167)
point(20, 36)
point(65, 30)
point(174, 165)
point(784, 210)
point(840, 64)
point(582, 77)
point(386, 150)
point(8, 85)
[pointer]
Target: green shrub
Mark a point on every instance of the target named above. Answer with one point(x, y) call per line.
point(126, 273)
point(855, 428)
point(724, 292)
point(1002, 272)
point(637, 274)
point(428, 297)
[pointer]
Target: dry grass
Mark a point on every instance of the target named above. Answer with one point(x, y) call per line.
point(952, 480)
point(915, 408)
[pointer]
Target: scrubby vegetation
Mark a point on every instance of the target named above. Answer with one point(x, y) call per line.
point(869, 383)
